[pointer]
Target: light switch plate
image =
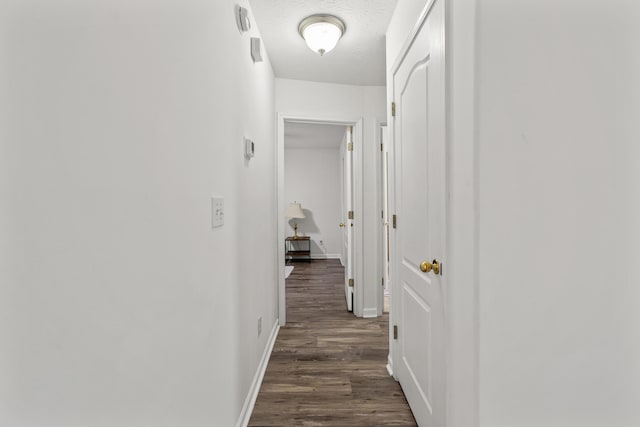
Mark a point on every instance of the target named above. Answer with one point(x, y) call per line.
point(249, 148)
point(217, 212)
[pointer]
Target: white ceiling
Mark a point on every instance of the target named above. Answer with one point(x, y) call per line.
point(359, 57)
point(313, 135)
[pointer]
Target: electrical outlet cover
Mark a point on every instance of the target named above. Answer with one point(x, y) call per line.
point(249, 148)
point(217, 212)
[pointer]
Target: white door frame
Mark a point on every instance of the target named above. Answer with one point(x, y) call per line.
point(383, 137)
point(357, 123)
point(346, 183)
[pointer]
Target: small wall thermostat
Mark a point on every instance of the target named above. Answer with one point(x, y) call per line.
point(249, 148)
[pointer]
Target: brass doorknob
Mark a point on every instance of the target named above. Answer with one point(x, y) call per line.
point(426, 267)
point(342, 224)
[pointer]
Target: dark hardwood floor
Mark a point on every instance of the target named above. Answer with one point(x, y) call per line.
point(328, 368)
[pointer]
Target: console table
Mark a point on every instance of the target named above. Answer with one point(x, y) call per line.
point(298, 247)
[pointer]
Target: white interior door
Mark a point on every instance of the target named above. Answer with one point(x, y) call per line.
point(419, 132)
point(347, 223)
point(343, 198)
point(384, 217)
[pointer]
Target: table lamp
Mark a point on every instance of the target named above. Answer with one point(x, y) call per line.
point(294, 210)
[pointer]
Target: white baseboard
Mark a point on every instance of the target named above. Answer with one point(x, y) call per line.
point(318, 256)
point(390, 366)
point(370, 312)
point(325, 256)
point(250, 401)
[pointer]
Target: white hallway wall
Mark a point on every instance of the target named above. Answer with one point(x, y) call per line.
point(559, 213)
point(119, 305)
point(325, 100)
point(544, 174)
point(312, 177)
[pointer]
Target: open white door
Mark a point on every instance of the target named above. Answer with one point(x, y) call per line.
point(384, 217)
point(419, 133)
point(347, 215)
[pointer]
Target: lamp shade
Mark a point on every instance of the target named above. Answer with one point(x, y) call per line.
point(294, 210)
point(321, 32)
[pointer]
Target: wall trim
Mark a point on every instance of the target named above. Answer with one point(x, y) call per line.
point(357, 123)
point(318, 256)
point(325, 256)
point(250, 401)
point(390, 367)
point(370, 312)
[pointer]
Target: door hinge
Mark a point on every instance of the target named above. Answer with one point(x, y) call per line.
point(350, 146)
point(380, 147)
point(351, 284)
point(394, 221)
point(383, 282)
point(350, 214)
point(395, 332)
point(382, 214)
point(393, 109)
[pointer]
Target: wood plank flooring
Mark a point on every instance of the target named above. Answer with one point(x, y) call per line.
point(328, 368)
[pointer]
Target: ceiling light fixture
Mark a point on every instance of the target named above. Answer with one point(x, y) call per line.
point(321, 32)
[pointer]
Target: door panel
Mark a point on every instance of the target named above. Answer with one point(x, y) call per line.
point(416, 353)
point(419, 132)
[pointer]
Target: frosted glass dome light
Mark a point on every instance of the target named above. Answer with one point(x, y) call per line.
point(321, 32)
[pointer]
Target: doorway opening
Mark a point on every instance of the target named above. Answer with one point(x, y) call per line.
point(317, 171)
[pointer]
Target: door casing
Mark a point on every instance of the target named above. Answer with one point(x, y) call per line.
point(383, 219)
point(357, 123)
point(346, 183)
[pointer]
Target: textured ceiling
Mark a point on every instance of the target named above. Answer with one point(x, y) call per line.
point(312, 135)
point(359, 57)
